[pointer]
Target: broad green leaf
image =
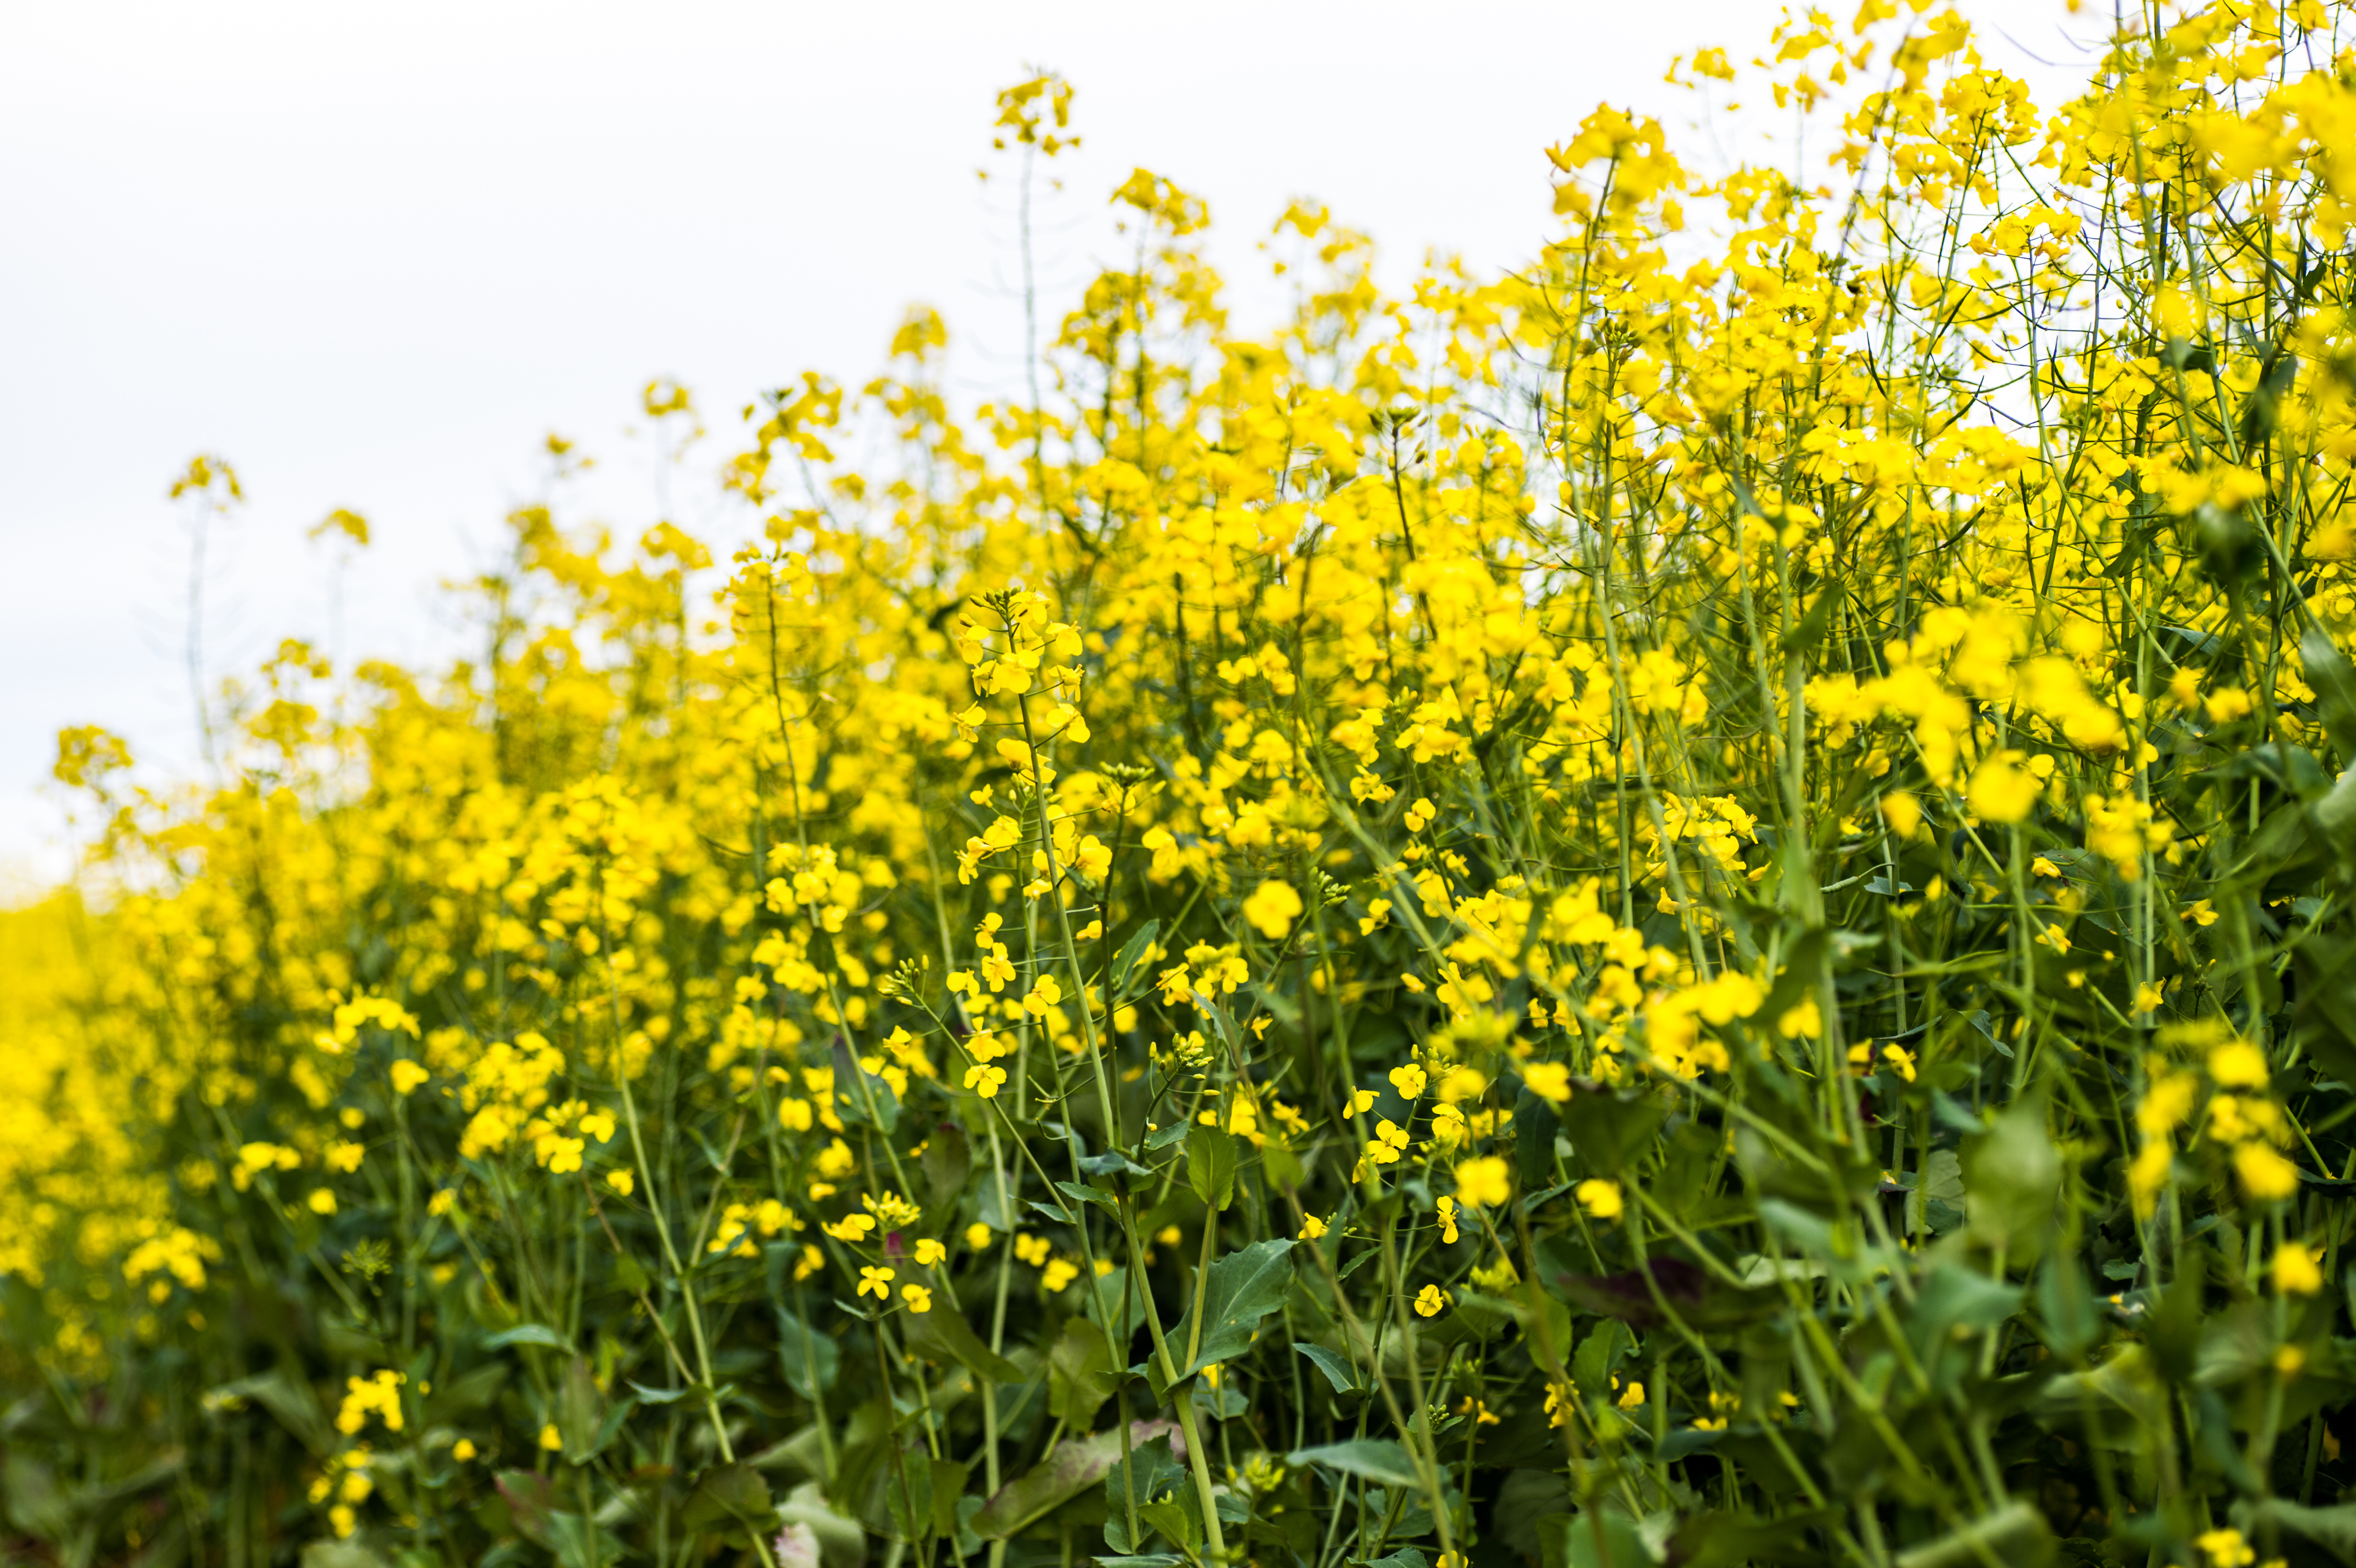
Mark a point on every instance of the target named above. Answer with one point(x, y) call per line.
point(908, 1492)
point(1132, 953)
point(843, 1542)
point(1080, 1374)
point(2012, 1177)
point(809, 1360)
point(858, 1092)
point(947, 1162)
point(1732, 1539)
point(943, 1336)
point(539, 1334)
point(2015, 1535)
point(1118, 1310)
point(729, 1494)
point(340, 1554)
point(2333, 1529)
point(1244, 1287)
point(580, 1410)
point(1153, 1471)
point(1071, 1470)
point(290, 1398)
point(1211, 1165)
point(1337, 1371)
point(1375, 1458)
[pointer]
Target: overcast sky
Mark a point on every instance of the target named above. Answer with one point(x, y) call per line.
point(371, 255)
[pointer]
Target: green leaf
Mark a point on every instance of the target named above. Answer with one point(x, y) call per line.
point(1534, 1131)
point(1606, 1127)
point(579, 1543)
point(1070, 1470)
point(580, 1410)
point(731, 1493)
point(947, 1162)
point(1812, 626)
point(1734, 1540)
point(288, 1398)
point(2015, 1535)
point(2326, 669)
point(1244, 1287)
point(1178, 1516)
point(856, 1089)
point(948, 1478)
point(1080, 1374)
point(908, 1492)
point(340, 1554)
point(1375, 1458)
point(843, 1542)
point(530, 1497)
point(1132, 953)
point(2012, 1177)
point(1211, 1165)
point(808, 1360)
point(943, 1336)
point(1337, 1371)
point(1953, 1298)
point(1112, 1162)
point(1153, 1470)
point(539, 1334)
point(2333, 1529)
point(1116, 1310)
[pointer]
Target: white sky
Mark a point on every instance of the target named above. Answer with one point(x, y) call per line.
point(371, 255)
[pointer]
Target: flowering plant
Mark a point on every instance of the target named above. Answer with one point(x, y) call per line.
point(1689, 906)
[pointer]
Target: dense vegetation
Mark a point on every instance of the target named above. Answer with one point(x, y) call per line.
point(1690, 906)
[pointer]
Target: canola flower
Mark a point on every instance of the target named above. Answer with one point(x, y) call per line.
point(1696, 895)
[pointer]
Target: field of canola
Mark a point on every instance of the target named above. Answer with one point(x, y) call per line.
point(1688, 907)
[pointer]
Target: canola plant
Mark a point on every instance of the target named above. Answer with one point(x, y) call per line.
point(1687, 906)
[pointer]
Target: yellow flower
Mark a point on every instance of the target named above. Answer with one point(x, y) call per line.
point(929, 1251)
point(976, 1237)
point(851, 1228)
point(2267, 1175)
point(1547, 1080)
point(551, 1440)
point(1312, 1228)
point(1484, 1183)
point(1631, 1396)
point(1432, 1301)
point(622, 1181)
point(875, 1281)
point(2003, 789)
point(1600, 1197)
point(2294, 1270)
point(1169, 1235)
point(322, 1201)
point(2226, 1549)
point(918, 1298)
point(1271, 908)
point(406, 1076)
point(1409, 1080)
point(2148, 1173)
point(986, 1079)
point(463, 1449)
point(1045, 994)
point(2238, 1064)
point(1057, 1274)
point(1447, 1207)
point(1031, 1250)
